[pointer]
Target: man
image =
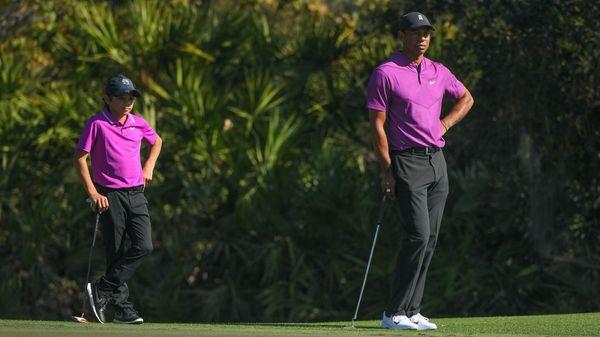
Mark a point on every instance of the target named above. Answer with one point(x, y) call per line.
point(113, 138)
point(404, 99)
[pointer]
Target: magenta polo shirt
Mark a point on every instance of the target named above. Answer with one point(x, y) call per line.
point(115, 148)
point(412, 100)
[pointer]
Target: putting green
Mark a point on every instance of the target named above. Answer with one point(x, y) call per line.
point(572, 325)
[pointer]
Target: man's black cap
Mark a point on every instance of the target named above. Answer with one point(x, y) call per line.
point(120, 86)
point(414, 20)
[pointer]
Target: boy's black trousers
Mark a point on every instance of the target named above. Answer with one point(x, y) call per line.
point(127, 214)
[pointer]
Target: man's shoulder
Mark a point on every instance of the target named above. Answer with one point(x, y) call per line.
point(385, 71)
point(394, 65)
point(437, 65)
point(388, 65)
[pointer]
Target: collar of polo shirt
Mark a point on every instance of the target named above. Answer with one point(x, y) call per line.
point(400, 59)
point(109, 117)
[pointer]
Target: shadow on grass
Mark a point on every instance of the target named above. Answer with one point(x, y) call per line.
point(309, 325)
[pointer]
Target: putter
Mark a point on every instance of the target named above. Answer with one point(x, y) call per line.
point(81, 318)
point(362, 289)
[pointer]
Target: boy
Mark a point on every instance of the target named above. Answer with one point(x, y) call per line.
point(113, 138)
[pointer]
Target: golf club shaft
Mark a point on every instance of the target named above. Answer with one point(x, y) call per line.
point(89, 266)
point(379, 220)
point(87, 277)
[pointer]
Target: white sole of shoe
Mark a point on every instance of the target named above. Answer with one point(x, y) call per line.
point(88, 287)
point(397, 327)
point(422, 327)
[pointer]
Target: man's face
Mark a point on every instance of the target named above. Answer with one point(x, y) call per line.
point(416, 41)
point(121, 104)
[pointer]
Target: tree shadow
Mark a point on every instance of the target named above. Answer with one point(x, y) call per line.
point(310, 325)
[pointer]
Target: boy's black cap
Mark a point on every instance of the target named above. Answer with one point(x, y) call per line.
point(120, 86)
point(414, 20)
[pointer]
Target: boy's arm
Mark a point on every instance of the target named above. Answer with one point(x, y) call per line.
point(151, 161)
point(99, 201)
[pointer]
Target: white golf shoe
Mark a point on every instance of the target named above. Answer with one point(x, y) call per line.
point(422, 322)
point(398, 322)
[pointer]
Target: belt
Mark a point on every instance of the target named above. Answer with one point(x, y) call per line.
point(122, 189)
point(417, 150)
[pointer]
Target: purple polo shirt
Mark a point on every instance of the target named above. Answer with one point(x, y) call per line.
point(115, 148)
point(412, 100)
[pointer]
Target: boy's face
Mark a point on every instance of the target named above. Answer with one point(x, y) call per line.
point(120, 105)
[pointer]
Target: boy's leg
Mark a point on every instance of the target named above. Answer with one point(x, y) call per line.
point(121, 295)
point(100, 293)
point(139, 231)
point(114, 223)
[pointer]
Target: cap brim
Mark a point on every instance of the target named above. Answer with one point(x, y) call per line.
point(415, 27)
point(133, 92)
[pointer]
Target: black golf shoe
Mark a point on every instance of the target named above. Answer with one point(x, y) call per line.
point(98, 301)
point(127, 316)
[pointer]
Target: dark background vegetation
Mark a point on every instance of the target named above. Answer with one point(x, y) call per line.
point(266, 194)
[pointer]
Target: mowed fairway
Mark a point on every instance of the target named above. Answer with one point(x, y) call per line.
point(551, 325)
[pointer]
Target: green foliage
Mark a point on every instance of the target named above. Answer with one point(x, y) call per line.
point(265, 195)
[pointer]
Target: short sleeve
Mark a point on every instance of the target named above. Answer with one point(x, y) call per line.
point(378, 91)
point(148, 133)
point(454, 88)
point(87, 136)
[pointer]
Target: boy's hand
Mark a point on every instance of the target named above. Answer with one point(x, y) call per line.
point(147, 173)
point(100, 202)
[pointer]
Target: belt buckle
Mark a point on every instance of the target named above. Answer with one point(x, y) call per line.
point(427, 150)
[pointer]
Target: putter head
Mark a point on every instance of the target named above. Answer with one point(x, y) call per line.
point(351, 326)
point(80, 319)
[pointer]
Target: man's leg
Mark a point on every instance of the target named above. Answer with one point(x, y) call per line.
point(436, 200)
point(413, 176)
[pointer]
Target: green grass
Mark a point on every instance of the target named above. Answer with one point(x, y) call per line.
point(571, 325)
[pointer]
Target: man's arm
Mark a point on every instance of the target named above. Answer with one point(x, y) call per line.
point(459, 110)
point(99, 201)
point(380, 146)
point(151, 161)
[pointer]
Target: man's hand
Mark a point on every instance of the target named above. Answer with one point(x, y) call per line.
point(99, 202)
point(388, 184)
point(444, 128)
